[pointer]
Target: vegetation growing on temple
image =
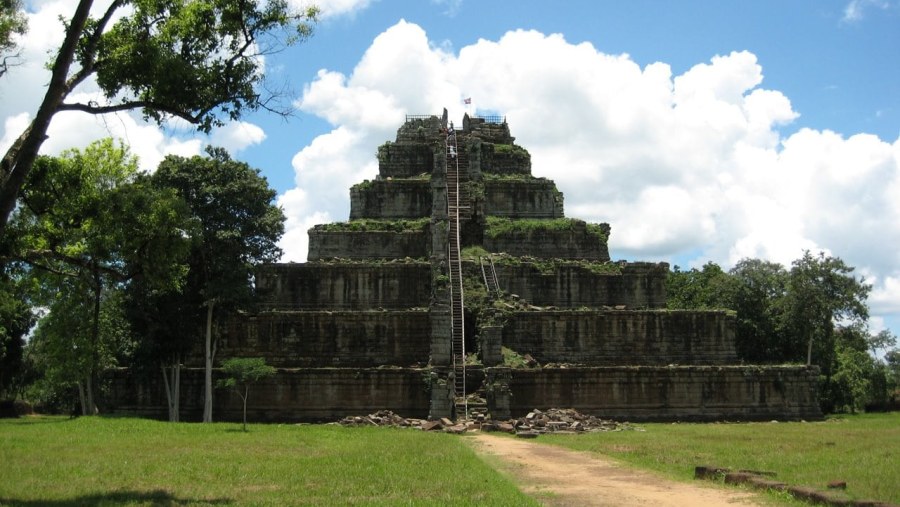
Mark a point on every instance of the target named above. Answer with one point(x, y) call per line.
point(375, 225)
point(498, 226)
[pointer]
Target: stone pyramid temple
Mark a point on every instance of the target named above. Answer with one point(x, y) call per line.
point(458, 285)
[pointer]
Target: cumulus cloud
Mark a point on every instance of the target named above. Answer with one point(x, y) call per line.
point(299, 217)
point(681, 165)
point(237, 136)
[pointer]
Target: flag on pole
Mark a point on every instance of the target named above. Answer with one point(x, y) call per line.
point(467, 100)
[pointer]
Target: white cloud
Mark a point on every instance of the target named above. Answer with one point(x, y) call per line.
point(885, 297)
point(334, 8)
point(693, 163)
point(237, 136)
point(854, 11)
point(451, 7)
point(299, 218)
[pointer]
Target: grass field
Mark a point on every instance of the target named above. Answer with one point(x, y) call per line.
point(121, 461)
point(107, 461)
point(863, 450)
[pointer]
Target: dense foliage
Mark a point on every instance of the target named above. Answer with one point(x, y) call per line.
point(237, 226)
point(197, 60)
point(125, 268)
point(813, 313)
point(12, 23)
point(88, 225)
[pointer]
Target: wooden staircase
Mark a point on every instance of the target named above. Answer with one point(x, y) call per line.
point(490, 276)
point(458, 206)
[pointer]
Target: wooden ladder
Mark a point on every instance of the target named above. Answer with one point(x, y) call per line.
point(490, 276)
point(457, 205)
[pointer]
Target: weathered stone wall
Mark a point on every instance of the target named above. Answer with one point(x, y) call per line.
point(404, 160)
point(576, 243)
point(536, 198)
point(292, 395)
point(623, 337)
point(640, 285)
point(323, 285)
point(504, 159)
point(663, 393)
point(395, 198)
point(492, 132)
point(331, 338)
point(358, 245)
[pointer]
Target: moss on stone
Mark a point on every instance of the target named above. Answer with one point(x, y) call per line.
point(373, 225)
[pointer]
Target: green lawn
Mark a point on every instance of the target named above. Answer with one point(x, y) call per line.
point(122, 461)
point(863, 450)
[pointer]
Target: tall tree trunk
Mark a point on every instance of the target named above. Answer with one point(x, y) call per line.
point(170, 401)
point(91, 402)
point(177, 387)
point(809, 352)
point(82, 399)
point(95, 343)
point(210, 355)
point(21, 155)
point(246, 393)
point(172, 381)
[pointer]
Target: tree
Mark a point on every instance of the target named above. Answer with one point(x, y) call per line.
point(164, 322)
point(12, 23)
point(238, 227)
point(90, 223)
point(198, 60)
point(240, 372)
point(70, 349)
point(759, 289)
point(707, 288)
point(822, 292)
point(16, 319)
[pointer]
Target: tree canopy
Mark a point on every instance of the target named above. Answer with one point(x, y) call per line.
point(813, 313)
point(239, 226)
point(198, 60)
point(239, 372)
point(88, 224)
point(12, 23)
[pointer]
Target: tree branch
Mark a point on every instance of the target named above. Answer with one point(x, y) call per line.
point(38, 258)
point(128, 106)
point(17, 162)
point(91, 48)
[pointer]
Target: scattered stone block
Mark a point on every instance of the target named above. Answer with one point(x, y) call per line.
point(432, 425)
point(456, 429)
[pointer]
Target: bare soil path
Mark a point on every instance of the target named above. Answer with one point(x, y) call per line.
point(561, 477)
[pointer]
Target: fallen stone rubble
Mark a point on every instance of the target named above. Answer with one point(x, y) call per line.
point(536, 423)
point(766, 481)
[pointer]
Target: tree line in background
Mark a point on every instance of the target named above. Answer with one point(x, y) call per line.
point(107, 266)
point(814, 312)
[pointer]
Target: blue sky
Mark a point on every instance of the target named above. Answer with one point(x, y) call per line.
point(700, 130)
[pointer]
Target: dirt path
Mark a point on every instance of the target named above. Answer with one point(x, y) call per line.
point(560, 477)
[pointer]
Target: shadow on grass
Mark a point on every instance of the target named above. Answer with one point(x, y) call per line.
point(157, 497)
